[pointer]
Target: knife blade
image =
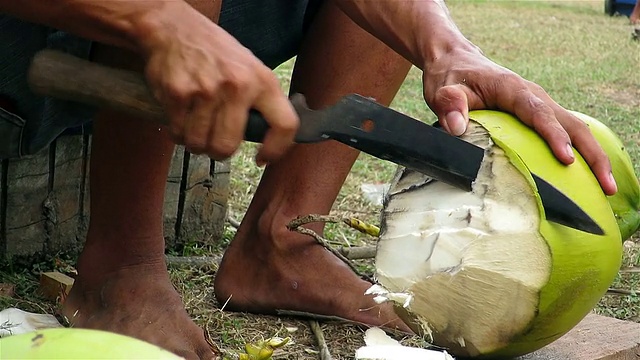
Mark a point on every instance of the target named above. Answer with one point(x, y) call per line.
point(354, 120)
point(377, 130)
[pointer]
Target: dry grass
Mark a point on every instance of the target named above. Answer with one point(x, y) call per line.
point(584, 58)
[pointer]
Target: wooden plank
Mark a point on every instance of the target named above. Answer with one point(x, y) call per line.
point(62, 207)
point(54, 285)
point(45, 202)
point(7, 290)
point(84, 198)
point(27, 187)
point(595, 338)
point(4, 166)
point(219, 199)
point(172, 195)
point(205, 200)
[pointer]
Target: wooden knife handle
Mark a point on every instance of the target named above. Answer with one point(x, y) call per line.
point(64, 76)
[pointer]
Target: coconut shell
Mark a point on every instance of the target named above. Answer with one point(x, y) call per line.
point(578, 266)
point(583, 264)
point(72, 343)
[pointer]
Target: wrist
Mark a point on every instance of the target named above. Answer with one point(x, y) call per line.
point(446, 46)
point(438, 35)
point(156, 25)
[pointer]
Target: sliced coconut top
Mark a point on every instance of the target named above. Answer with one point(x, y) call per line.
point(472, 261)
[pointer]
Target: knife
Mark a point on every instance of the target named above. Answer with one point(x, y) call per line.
point(354, 120)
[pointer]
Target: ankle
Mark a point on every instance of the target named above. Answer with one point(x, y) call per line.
point(100, 258)
point(271, 228)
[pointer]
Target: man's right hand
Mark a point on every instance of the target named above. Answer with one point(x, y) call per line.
point(208, 82)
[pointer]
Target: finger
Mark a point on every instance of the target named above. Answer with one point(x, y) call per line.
point(533, 111)
point(590, 149)
point(176, 103)
point(177, 112)
point(586, 144)
point(451, 105)
point(228, 130)
point(198, 125)
point(283, 122)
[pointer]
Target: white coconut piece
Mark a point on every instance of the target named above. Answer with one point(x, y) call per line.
point(15, 322)
point(380, 346)
point(441, 246)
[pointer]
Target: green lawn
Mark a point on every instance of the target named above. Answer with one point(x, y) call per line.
point(586, 61)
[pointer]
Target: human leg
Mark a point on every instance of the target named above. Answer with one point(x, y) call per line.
point(123, 285)
point(267, 267)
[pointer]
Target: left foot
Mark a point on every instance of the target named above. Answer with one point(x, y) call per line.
point(262, 272)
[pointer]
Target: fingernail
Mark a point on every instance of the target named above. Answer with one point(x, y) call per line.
point(570, 151)
point(457, 124)
point(613, 181)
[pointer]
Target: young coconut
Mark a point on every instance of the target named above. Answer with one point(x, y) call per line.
point(483, 273)
point(626, 202)
point(72, 343)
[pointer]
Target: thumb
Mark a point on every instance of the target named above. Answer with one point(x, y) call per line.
point(450, 104)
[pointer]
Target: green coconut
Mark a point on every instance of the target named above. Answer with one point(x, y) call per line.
point(71, 343)
point(483, 273)
point(626, 202)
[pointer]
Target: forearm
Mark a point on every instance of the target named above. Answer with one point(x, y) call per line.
point(419, 30)
point(124, 24)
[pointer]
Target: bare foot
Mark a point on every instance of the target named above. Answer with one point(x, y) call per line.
point(289, 271)
point(138, 301)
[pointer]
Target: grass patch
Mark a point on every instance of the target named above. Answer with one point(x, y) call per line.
point(581, 56)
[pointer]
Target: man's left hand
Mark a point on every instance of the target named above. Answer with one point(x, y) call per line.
point(464, 79)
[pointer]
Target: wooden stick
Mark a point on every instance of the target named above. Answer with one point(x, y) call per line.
point(233, 222)
point(358, 252)
point(322, 344)
point(621, 292)
point(311, 218)
point(64, 76)
point(329, 318)
point(630, 270)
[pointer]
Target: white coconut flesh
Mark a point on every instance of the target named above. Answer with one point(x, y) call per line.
point(467, 265)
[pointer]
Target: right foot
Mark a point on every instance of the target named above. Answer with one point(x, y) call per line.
point(138, 301)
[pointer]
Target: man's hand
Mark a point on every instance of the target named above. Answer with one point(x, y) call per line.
point(457, 77)
point(208, 82)
point(464, 80)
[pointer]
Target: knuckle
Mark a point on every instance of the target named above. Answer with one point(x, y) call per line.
point(207, 88)
point(243, 81)
point(508, 79)
point(237, 84)
point(581, 127)
point(222, 147)
point(195, 144)
point(177, 90)
point(270, 81)
point(286, 126)
point(533, 87)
